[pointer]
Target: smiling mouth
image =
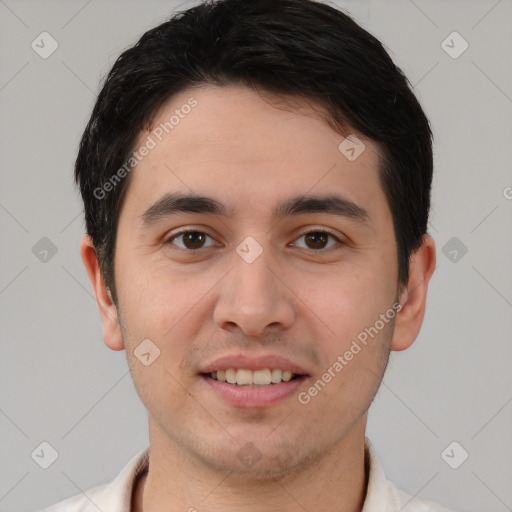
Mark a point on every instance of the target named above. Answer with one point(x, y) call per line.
point(252, 378)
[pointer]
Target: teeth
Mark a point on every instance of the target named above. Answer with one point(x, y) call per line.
point(231, 376)
point(287, 375)
point(276, 375)
point(261, 377)
point(244, 377)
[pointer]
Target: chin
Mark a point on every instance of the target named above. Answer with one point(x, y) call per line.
point(257, 457)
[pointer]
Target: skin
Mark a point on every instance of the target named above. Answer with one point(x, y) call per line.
point(249, 152)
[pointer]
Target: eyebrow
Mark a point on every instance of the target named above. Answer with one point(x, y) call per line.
point(173, 203)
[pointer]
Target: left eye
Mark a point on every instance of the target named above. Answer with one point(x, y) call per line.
point(194, 240)
point(318, 239)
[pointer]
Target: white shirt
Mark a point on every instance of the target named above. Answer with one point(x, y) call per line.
point(382, 495)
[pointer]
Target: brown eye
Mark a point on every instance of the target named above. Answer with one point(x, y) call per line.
point(191, 240)
point(317, 240)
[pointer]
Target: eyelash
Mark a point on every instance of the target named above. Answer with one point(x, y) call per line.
point(315, 231)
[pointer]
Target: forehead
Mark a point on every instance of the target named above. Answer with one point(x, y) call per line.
point(249, 148)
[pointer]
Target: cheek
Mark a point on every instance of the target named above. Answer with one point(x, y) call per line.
point(346, 299)
point(353, 337)
point(156, 300)
point(354, 370)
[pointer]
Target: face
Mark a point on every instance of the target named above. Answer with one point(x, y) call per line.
point(254, 286)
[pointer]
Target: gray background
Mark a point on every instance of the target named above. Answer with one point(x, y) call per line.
point(60, 384)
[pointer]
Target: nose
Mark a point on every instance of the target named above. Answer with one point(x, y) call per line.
point(255, 298)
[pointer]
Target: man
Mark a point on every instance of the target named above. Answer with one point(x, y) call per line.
point(256, 178)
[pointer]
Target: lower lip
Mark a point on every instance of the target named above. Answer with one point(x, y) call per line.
point(240, 396)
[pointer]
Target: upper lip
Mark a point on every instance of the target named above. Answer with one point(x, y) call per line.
point(238, 361)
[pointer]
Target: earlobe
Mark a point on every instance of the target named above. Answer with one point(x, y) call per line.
point(413, 298)
point(108, 312)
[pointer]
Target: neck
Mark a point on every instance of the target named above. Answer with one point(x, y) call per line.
point(176, 481)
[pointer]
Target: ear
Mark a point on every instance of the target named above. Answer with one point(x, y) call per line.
point(413, 298)
point(108, 312)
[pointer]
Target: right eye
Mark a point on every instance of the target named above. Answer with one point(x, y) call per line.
point(192, 239)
